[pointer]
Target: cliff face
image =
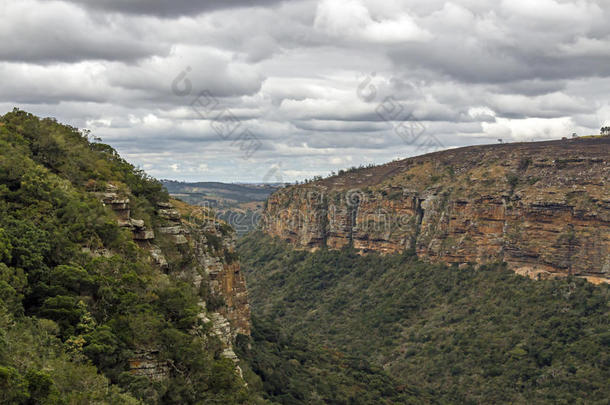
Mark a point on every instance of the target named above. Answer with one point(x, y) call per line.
point(543, 208)
point(214, 248)
point(198, 249)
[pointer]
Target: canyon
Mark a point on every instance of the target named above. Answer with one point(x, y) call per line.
point(541, 207)
point(104, 276)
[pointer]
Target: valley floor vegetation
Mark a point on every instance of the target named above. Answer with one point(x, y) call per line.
point(435, 333)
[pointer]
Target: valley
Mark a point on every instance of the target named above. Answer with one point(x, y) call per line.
point(307, 202)
point(443, 334)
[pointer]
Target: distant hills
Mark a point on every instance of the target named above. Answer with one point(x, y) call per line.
point(238, 204)
point(215, 191)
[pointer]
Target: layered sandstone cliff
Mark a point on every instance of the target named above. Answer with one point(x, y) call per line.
point(543, 208)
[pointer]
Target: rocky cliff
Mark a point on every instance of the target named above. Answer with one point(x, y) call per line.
point(213, 246)
point(198, 248)
point(543, 208)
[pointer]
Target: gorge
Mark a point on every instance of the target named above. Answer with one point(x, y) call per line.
point(383, 285)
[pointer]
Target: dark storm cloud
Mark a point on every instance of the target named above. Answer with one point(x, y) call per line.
point(75, 49)
point(50, 32)
point(535, 87)
point(341, 126)
point(174, 8)
point(514, 40)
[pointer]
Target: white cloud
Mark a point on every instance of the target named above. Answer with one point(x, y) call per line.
point(52, 31)
point(554, 12)
point(350, 19)
point(530, 129)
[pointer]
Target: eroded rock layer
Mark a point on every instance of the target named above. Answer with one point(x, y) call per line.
point(543, 208)
point(199, 249)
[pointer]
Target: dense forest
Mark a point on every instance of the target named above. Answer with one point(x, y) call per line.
point(70, 319)
point(444, 334)
point(288, 368)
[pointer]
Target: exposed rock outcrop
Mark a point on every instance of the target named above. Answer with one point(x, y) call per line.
point(199, 249)
point(223, 273)
point(146, 363)
point(543, 208)
point(120, 205)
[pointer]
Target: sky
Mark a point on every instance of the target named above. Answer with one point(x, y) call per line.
point(271, 91)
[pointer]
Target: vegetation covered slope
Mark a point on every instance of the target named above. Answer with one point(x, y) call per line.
point(288, 368)
point(71, 319)
point(455, 335)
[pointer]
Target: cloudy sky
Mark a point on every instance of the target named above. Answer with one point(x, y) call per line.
point(251, 91)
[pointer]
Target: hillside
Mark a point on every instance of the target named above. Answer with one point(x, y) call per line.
point(107, 294)
point(543, 208)
point(448, 335)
